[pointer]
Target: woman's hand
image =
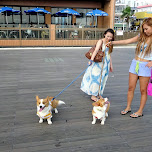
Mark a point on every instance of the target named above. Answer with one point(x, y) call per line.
point(109, 44)
point(90, 62)
point(149, 64)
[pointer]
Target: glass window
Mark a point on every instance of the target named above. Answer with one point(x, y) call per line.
point(16, 19)
point(25, 18)
point(84, 20)
point(22, 18)
point(8, 18)
point(28, 18)
point(2, 17)
point(64, 20)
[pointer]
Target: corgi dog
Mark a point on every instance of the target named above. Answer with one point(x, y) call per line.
point(45, 107)
point(100, 110)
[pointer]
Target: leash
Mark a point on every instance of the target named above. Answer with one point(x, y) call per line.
point(70, 83)
point(101, 72)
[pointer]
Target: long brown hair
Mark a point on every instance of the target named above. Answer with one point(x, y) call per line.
point(143, 38)
point(112, 32)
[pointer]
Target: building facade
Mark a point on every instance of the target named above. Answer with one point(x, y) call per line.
point(52, 30)
point(120, 5)
point(144, 9)
point(81, 6)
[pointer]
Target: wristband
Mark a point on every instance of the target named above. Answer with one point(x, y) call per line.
point(90, 62)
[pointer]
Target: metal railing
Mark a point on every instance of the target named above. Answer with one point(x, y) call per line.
point(19, 33)
point(60, 33)
point(79, 33)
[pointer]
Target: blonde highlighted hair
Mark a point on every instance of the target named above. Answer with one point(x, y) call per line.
point(143, 38)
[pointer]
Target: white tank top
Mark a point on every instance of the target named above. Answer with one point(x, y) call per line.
point(142, 52)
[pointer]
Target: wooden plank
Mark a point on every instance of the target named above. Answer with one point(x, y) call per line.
point(25, 74)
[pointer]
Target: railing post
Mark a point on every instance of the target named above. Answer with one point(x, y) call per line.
point(20, 34)
point(52, 29)
point(95, 33)
point(82, 32)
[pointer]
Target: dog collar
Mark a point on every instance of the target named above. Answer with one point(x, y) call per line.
point(49, 115)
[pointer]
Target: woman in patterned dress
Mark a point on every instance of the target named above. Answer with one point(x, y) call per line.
point(92, 78)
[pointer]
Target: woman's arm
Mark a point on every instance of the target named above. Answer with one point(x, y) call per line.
point(127, 41)
point(98, 46)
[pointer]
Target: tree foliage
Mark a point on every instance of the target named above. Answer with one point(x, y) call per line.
point(127, 13)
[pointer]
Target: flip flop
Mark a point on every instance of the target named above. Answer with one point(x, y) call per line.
point(94, 99)
point(100, 97)
point(136, 115)
point(125, 112)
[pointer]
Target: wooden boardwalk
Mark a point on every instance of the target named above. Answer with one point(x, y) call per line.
point(25, 73)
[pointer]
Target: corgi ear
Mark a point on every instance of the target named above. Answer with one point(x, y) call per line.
point(37, 98)
point(47, 98)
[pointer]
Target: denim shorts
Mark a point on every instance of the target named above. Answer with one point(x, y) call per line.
point(142, 69)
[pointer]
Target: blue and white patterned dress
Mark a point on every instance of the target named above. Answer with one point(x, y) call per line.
point(91, 79)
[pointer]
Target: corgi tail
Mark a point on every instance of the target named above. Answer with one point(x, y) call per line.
point(61, 102)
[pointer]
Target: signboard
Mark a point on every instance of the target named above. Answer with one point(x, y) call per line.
point(119, 32)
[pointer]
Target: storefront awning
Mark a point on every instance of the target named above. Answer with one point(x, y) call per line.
point(143, 15)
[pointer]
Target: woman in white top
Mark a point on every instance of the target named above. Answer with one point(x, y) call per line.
point(140, 66)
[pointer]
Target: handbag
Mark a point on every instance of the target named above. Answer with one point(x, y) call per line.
point(98, 57)
point(149, 88)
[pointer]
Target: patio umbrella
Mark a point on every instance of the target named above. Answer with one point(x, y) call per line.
point(8, 11)
point(96, 13)
point(67, 12)
point(37, 11)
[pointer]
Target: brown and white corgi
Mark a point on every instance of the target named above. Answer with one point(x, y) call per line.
point(100, 110)
point(45, 107)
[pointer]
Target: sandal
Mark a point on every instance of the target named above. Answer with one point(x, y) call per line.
point(100, 97)
point(124, 112)
point(134, 115)
point(95, 99)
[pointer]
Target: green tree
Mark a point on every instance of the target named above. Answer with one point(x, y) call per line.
point(127, 13)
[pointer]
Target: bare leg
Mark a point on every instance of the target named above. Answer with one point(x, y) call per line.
point(132, 85)
point(100, 97)
point(143, 90)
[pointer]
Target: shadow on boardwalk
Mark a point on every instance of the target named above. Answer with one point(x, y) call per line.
point(25, 73)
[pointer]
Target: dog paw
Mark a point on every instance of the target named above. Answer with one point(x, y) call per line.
point(49, 122)
point(106, 114)
point(102, 123)
point(40, 121)
point(93, 122)
point(56, 111)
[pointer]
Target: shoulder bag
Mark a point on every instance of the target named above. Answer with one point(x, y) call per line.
point(99, 55)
